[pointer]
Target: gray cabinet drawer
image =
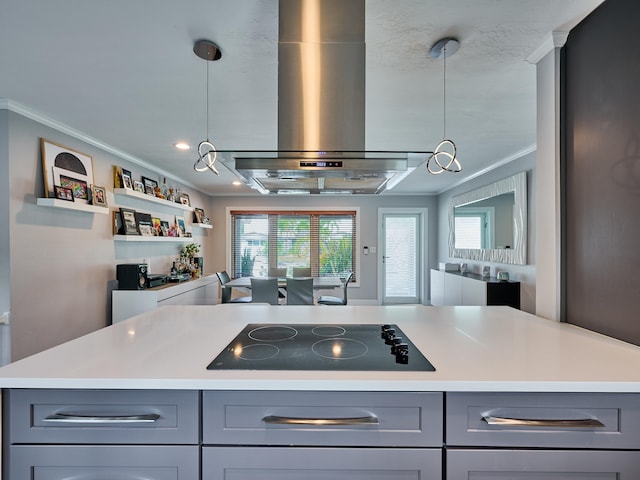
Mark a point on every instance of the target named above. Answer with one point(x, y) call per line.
point(541, 464)
point(322, 418)
point(317, 463)
point(56, 462)
point(104, 416)
point(559, 420)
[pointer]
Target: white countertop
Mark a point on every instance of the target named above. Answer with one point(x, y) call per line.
point(472, 349)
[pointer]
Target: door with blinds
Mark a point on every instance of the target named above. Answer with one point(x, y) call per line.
point(401, 257)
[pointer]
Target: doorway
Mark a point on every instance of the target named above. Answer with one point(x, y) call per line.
point(402, 252)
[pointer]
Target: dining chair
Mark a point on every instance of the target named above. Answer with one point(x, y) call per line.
point(301, 272)
point(225, 293)
point(330, 300)
point(299, 291)
point(264, 290)
point(275, 272)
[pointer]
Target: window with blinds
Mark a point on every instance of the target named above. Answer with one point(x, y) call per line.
point(264, 241)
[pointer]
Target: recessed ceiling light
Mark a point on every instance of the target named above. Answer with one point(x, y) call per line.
point(182, 146)
point(236, 182)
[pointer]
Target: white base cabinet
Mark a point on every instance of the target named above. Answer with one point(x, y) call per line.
point(455, 288)
point(128, 303)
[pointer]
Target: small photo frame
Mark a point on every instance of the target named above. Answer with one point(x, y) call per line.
point(67, 162)
point(184, 199)
point(164, 227)
point(99, 195)
point(144, 223)
point(149, 185)
point(182, 229)
point(78, 186)
point(138, 186)
point(129, 225)
point(126, 181)
point(198, 215)
point(157, 226)
point(63, 193)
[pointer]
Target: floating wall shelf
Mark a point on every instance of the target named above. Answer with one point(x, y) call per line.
point(126, 192)
point(81, 207)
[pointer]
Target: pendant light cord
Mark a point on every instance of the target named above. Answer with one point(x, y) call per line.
point(444, 92)
point(206, 134)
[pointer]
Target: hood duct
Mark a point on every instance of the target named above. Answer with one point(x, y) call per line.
point(321, 109)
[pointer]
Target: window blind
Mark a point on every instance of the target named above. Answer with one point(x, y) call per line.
point(324, 241)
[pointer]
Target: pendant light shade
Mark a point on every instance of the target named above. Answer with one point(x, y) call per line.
point(207, 152)
point(444, 157)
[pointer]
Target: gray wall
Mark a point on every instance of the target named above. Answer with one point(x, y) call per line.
point(63, 262)
point(368, 205)
point(526, 274)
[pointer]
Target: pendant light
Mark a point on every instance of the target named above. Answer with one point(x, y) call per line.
point(207, 152)
point(443, 158)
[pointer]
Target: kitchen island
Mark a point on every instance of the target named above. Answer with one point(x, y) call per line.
point(511, 392)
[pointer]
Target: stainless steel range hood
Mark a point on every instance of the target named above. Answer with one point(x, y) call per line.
point(321, 109)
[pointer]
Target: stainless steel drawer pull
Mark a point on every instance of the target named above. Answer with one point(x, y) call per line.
point(526, 422)
point(274, 419)
point(73, 418)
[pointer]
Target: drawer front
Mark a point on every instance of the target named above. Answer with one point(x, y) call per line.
point(322, 418)
point(56, 462)
point(571, 420)
point(540, 464)
point(104, 416)
point(317, 463)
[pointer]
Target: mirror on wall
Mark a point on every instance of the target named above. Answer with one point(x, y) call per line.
point(490, 223)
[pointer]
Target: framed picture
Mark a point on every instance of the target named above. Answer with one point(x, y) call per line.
point(98, 196)
point(67, 162)
point(182, 229)
point(145, 226)
point(164, 227)
point(157, 226)
point(129, 226)
point(138, 186)
point(126, 181)
point(79, 187)
point(149, 185)
point(198, 215)
point(63, 193)
point(184, 199)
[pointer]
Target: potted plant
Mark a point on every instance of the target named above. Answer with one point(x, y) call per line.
point(246, 263)
point(188, 253)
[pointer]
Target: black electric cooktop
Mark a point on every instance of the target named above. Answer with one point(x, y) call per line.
point(361, 347)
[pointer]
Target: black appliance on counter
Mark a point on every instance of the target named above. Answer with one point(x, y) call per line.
point(358, 347)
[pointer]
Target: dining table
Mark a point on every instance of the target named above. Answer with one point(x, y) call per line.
point(319, 283)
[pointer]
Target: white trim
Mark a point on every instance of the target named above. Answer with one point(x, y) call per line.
point(31, 114)
point(553, 40)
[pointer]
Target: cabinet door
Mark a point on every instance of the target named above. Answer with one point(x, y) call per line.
point(437, 287)
point(474, 292)
point(543, 420)
point(322, 418)
point(452, 289)
point(103, 416)
point(278, 463)
point(131, 462)
point(542, 465)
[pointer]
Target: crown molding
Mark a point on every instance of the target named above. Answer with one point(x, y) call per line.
point(553, 40)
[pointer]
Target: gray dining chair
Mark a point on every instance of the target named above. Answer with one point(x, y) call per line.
point(275, 272)
point(301, 272)
point(225, 293)
point(330, 300)
point(264, 290)
point(299, 291)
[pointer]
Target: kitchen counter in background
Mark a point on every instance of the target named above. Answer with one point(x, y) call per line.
point(488, 349)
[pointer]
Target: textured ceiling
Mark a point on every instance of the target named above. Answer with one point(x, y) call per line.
point(123, 73)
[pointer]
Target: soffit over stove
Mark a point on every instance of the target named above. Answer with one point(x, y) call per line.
point(321, 109)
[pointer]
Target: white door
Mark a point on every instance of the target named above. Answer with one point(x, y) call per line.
point(401, 257)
